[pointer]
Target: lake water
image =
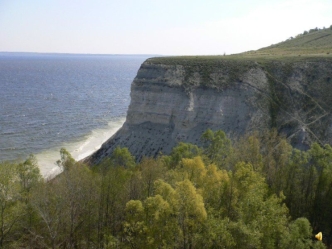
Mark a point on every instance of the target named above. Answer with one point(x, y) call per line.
point(50, 101)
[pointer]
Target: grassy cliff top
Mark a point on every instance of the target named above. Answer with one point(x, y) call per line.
point(277, 60)
point(313, 44)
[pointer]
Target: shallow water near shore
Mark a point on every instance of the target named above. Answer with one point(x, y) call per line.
point(78, 149)
point(50, 101)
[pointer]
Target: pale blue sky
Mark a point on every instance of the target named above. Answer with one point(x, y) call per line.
point(169, 27)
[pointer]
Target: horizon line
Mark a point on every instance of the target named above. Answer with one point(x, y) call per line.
point(68, 53)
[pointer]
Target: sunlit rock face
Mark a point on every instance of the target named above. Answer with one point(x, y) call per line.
point(173, 101)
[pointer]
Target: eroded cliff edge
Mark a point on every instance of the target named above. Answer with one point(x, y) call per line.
point(177, 98)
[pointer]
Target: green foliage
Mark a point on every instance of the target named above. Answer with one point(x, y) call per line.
point(10, 205)
point(299, 236)
point(114, 194)
point(217, 147)
point(260, 218)
point(66, 161)
point(121, 157)
point(151, 170)
point(216, 189)
point(316, 41)
point(67, 208)
point(29, 173)
point(258, 192)
point(248, 149)
point(158, 212)
point(182, 150)
point(134, 227)
point(16, 183)
point(191, 213)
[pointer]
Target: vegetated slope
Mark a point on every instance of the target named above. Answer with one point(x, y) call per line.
point(258, 193)
point(315, 42)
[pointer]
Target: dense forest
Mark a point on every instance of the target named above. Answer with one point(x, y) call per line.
point(255, 192)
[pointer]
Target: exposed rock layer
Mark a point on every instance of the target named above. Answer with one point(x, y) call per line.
point(177, 100)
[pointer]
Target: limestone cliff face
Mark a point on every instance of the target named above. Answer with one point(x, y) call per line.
point(177, 100)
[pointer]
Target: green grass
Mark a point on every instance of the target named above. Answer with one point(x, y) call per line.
point(314, 43)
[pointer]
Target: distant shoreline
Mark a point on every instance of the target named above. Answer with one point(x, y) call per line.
point(75, 54)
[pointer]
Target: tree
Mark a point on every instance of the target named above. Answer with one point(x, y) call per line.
point(191, 213)
point(217, 147)
point(49, 207)
point(248, 150)
point(276, 153)
point(29, 174)
point(260, 218)
point(151, 170)
point(299, 236)
point(114, 194)
point(66, 161)
point(320, 158)
point(216, 190)
point(134, 226)
point(121, 157)
point(193, 170)
point(67, 209)
point(11, 208)
point(161, 223)
point(182, 150)
point(216, 233)
point(29, 178)
point(294, 178)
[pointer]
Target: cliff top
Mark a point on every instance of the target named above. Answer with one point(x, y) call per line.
point(313, 44)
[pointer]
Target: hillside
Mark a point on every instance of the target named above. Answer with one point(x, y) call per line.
point(314, 42)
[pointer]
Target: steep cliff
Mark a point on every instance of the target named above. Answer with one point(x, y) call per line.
point(176, 99)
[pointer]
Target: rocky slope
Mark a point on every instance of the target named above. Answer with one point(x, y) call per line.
point(177, 99)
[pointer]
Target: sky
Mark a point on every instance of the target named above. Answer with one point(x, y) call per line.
point(163, 27)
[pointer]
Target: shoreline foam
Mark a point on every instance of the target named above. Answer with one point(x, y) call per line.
point(78, 149)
